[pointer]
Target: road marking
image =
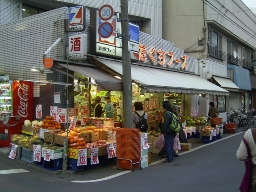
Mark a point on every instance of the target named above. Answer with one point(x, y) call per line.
point(11, 171)
point(154, 163)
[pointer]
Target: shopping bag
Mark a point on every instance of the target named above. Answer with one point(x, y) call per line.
point(159, 142)
point(176, 143)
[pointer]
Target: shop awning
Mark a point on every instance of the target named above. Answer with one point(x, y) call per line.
point(241, 77)
point(103, 79)
point(164, 80)
point(226, 83)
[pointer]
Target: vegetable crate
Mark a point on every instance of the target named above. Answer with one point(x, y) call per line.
point(27, 155)
point(53, 164)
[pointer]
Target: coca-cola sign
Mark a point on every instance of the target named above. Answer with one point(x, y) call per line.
point(23, 99)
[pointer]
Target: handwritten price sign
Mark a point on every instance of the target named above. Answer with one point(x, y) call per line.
point(54, 112)
point(62, 113)
point(82, 157)
point(39, 111)
point(47, 154)
point(13, 151)
point(111, 150)
point(94, 156)
point(37, 153)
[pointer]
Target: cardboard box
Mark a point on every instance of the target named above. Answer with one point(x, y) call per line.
point(103, 150)
point(103, 135)
point(58, 139)
point(186, 146)
point(205, 132)
point(94, 136)
point(42, 131)
point(86, 136)
point(49, 137)
point(27, 130)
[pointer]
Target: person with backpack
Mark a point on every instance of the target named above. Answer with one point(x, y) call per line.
point(169, 129)
point(140, 117)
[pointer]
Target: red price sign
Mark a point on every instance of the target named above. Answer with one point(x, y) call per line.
point(47, 155)
point(82, 157)
point(13, 152)
point(111, 151)
point(94, 156)
point(37, 153)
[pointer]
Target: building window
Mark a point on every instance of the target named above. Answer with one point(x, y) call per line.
point(215, 45)
point(246, 58)
point(28, 10)
point(232, 56)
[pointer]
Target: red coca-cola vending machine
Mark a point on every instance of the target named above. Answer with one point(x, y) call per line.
point(16, 105)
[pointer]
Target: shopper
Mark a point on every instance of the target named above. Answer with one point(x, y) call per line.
point(97, 107)
point(242, 155)
point(109, 108)
point(138, 106)
point(175, 110)
point(167, 132)
point(213, 112)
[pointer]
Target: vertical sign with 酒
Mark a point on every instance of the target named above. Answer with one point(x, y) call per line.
point(77, 48)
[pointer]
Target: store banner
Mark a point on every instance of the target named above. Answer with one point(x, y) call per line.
point(82, 157)
point(39, 111)
point(37, 153)
point(54, 112)
point(62, 115)
point(94, 156)
point(13, 151)
point(111, 150)
point(23, 99)
point(47, 155)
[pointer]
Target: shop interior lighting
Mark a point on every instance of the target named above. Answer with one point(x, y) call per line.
point(37, 69)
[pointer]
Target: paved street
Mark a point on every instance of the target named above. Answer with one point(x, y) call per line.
point(208, 167)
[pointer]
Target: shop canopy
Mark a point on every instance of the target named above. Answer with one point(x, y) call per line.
point(226, 83)
point(103, 79)
point(163, 80)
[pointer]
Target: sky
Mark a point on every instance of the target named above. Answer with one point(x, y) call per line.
point(250, 3)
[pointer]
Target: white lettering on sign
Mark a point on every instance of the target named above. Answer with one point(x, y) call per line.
point(23, 95)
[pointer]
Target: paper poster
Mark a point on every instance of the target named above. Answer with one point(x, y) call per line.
point(94, 156)
point(13, 151)
point(56, 97)
point(62, 115)
point(54, 112)
point(39, 111)
point(82, 157)
point(111, 150)
point(144, 141)
point(47, 154)
point(37, 153)
point(73, 121)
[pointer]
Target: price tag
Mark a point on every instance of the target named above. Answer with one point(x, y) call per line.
point(47, 154)
point(144, 140)
point(13, 151)
point(37, 153)
point(94, 156)
point(73, 121)
point(82, 157)
point(111, 150)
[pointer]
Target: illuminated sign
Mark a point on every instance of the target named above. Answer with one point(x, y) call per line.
point(77, 46)
point(160, 57)
point(76, 19)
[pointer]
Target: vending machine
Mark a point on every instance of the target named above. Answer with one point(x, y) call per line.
point(16, 105)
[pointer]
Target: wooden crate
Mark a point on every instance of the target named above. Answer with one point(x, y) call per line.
point(186, 146)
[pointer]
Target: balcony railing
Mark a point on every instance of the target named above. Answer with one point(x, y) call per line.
point(214, 52)
point(231, 59)
point(246, 64)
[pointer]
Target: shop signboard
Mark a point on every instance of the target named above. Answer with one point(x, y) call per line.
point(109, 37)
point(77, 46)
point(76, 19)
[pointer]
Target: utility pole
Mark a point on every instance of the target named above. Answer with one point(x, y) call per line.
point(126, 58)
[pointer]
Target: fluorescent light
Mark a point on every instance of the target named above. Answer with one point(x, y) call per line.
point(117, 77)
point(23, 9)
point(37, 69)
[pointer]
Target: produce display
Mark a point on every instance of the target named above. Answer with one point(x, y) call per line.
point(50, 124)
point(192, 121)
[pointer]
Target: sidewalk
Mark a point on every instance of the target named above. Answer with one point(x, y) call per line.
point(98, 172)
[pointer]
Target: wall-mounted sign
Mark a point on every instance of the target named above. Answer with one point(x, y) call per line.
point(160, 57)
point(109, 43)
point(77, 46)
point(76, 19)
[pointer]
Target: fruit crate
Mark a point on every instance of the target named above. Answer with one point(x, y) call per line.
point(27, 155)
point(72, 164)
point(206, 139)
point(53, 164)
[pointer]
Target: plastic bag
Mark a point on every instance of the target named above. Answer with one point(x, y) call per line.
point(176, 143)
point(159, 142)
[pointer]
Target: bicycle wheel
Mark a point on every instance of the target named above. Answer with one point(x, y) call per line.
point(243, 125)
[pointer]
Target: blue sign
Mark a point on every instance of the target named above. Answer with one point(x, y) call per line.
point(134, 32)
point(105, 30)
